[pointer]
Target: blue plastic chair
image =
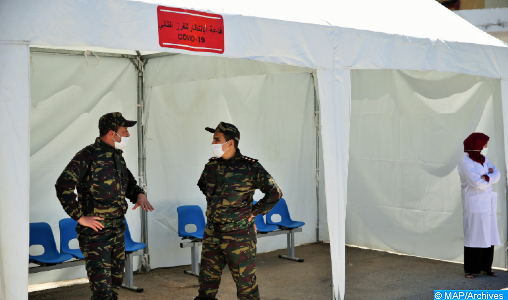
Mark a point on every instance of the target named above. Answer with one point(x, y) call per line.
point(68, 233)
point(261, 226)
point(281, 209)
point(41, 234)
point(190, 214)
point(130, 245)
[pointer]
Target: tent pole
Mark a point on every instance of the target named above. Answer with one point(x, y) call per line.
point(316, 123)
point(139, 64)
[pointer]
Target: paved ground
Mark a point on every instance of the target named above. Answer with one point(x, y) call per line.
point(369, 275)
point(379, 275)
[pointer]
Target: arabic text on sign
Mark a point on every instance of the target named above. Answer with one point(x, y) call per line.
point(190, 30)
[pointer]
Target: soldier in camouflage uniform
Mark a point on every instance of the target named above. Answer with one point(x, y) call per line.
point(103, 181)
point(228, 182)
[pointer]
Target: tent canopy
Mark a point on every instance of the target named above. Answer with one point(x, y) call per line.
point(332, 39)
point(282, 35)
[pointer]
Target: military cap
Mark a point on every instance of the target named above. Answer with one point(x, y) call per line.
point(113, 120)
point(226, 128)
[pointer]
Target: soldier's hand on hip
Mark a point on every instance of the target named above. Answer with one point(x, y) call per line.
point(143, 202)
point(255, 228)
point(91, 222)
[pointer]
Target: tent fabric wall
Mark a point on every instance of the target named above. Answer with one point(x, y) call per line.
point(14, 170)
point(274, 113)
point(407, 129)
point(324, 235)
point(363, 49)
point(69, 95)
point(335, 114)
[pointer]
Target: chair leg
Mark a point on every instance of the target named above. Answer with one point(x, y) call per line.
point(194, 260)
point(129, 276)
point(291, 248)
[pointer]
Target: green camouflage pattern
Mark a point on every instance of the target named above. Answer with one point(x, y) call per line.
point(228, 129)
point(104, 261)
point(113, 120)
point(235, 248)
point(99, 174)
point(102, 180)
point(229, 237)
point(229, 187)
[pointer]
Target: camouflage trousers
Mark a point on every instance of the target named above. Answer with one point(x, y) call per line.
point(104, 260)
point(237, 249)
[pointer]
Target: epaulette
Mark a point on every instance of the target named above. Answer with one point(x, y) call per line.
point(213, 158)
point(251, 160)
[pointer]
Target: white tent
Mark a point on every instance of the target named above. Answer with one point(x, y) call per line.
point(397, 82)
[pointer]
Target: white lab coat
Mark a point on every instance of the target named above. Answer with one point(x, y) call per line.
point(479, 203)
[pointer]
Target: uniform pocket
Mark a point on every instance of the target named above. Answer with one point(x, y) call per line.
point(478, 203)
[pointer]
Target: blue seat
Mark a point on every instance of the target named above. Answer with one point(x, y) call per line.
point(281, 209)
point(68, 233)
point(190, 214)
point(130, 245)
point(41, 234)
point(261, 226)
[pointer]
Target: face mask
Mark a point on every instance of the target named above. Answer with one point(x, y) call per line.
point(484, 151)
point(123, 142)
point(217, 150)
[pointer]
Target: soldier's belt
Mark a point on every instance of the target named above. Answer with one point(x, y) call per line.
point(113, 223)
point(242, 224)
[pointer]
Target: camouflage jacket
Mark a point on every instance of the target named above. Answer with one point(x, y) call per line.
point(229, 186)
point(102, 180)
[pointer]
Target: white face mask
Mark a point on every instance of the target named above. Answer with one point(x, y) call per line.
point(484, 151)
point(217, 150)
point(123, 142)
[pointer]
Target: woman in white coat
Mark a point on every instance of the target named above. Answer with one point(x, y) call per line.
point(479, 203)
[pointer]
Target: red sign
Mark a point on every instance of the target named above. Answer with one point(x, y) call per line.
point(190, 30)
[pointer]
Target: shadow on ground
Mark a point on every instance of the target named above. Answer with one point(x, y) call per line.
point(369, 275)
